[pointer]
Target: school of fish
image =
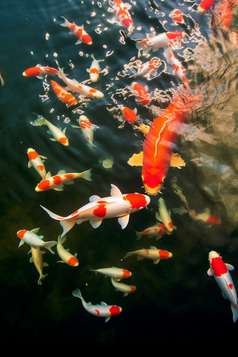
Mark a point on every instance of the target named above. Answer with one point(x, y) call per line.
point(156, 158)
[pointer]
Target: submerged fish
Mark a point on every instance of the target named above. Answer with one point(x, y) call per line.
point(78, 31)
point(31, 238)
point(36, 258)
point(56, 132)
point(153, 253)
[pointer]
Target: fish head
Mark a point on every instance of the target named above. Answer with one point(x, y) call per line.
point(42, 186)
point(64, 141)
point(153, 179)
point(137, 200)
point(115, 310)
point(21, 233)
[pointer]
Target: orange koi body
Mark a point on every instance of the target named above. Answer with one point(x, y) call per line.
point(223, 14)
point(142, 96)
point(157, 147)
point(63, 94)
point(205, 5)
point(39, 71)
point(78, 31)
point(129, 115)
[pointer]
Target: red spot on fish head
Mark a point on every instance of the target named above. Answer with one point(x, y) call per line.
point(153, 178)
point(126, 273)
point(136, 200)
point(57, 180)
point(87, 39)
point(64, 141)
point(170, 225)
point(43, 185)
point(133, 289)
point(33, 71)
point(94, 71)
point(213, 220)
point(85, 124)
point(129, 115)
point(101, 210)
point(21, 233)
point(127, 22)
point(32, 154)
point(91, 92)
point(218, 266)
point(164, 254)
point(115, 310)
point(73, 262)
point(174, 35)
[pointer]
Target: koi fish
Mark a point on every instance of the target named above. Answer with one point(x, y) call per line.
point(142, 96)
point(63, 95)
point(163, 39)
point(177, 16)
point(80, 88)
point(116, 273)
point(123, 16)
point(58, 181)
point(87, 129)
point(126, 289)
point(177, 66)
point(31, 238)
point(117, 205)
point(65, 255)
point(56, 132)
point(220, 271)
point(159, 142)
point(36, 162)
point(157, 231)
point(94, 69)
point(39, 71)
point(148, 69)
point(128, 114)
point(153, 253)
point(36, 258)
point(164, 215)
point(1, 79)
point(204, 6)
point(222, 16)
point(102, 310)
point(78, 31)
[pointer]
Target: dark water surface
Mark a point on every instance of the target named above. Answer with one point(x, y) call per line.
point(175, 300)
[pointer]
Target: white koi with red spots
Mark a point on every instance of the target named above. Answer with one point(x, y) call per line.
point(31, 238)
point(78, 31)
point(36, 258)
point(58, 181)
point(177, 66)
point(36, 161)
point(126, 289)
point(220, 271)
point(100, 310)
point(94, 69)
point(177, 16)
point(153, 253)
point(157, 231)
point(123, 17)
point(57, 133)
point(65, 255)
point(149, 68)
point(117, 205)
point(164, 215)
point(87, 129)
point(116, 273)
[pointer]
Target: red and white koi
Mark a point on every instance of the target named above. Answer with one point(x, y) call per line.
point(177, 66)
point(36, 161)
point(78, 31)
point(65, 255)
point(204, 6)
point(116, 273)
point(94, 69)
point(31, 238)
point(123, 17)
point(177, 16)
point(87, 129)
point(163, 39)
point(100, 310)
point(63, 95)
point(40, 71)
point(126, 289)
point(148, 69)
point(153, 253)
point(220, 271)
point(141, 92)
point(157, 231)
point(117, 205)
point(58, 181)
point(128, 114)
point(37, 259)
point(56, 132)
point(82, 89)
point(164, 215)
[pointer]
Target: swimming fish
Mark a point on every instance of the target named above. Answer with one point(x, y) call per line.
point(36, 258)
point(82, 89)
point(1, 79)
point(204, 6)
point(101, 310)
point(40, 71)
point(128, 114)
point(123, 17)
point(116, 273)
point(31, 238)
point(177, 66)
point(63, 95)
point(177, 16)
point(117, 205)
point(153, 253)
point(58, 181)
point(78, 31)
point(220, 271)
point(36, 161)
point(157, 231)
point(94, 69)
point(142, 95)
point(56, 132)
point(126, 289)
point(65, 255)
point(149, 68)
point(87, 129)
point(164, 215)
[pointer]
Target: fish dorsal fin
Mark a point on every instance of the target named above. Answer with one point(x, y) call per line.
point(152, 247)
point(94, 198)
point(35, 230)
point(103, 303)
point(61, 172)
point(48, 175)
point(115, 191)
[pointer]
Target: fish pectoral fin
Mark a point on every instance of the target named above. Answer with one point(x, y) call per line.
point(59, 188)
point(103, 303)
point(107, 319)
point(156, 261)
point(29, 164)
point(209, 272)
point(21, 243)
point(229, 266)
point(70, 182)
point(177, 161)
point(123, 221)
point(95, 223)
point(45, 264)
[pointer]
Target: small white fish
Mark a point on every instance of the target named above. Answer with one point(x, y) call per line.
point(87, 129)
point(116, 273)
point(101, 310)
point(31, 238)
point(94, 69)
point(153, 253)
point(126, 289)
point(164, 215)
point(64, 254)
point(56, 132)
point(36, 258)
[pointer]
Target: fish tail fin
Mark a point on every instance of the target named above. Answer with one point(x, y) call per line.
point(61, 240)
point(180, 210)
point(138, 235)
point(87, 175)
point(41, 278)
point(91, 146)
point(128, 255)
point(67, 225)
point(65, 23)
point(52, 215)
point(77, 293)
point(234, 310)
point(40, 121)
point(49, 245)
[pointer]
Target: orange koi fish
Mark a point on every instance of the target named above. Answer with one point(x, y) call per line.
point(177, 66)
point(36, 162)
point(63, 95)
point(87, 129)
point(78, 31)
point(177, 16)
point(158, 144)
point(40, 71)
point(123, 16)
point(204, 6)
point(128, 114)
point(62, 178)
point(153, 253)
point(142, 96)
point(222, 15)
